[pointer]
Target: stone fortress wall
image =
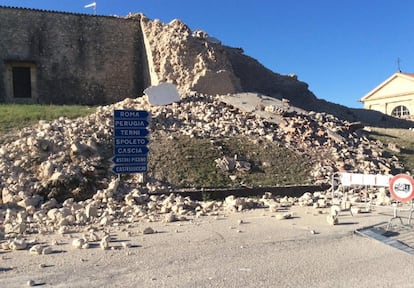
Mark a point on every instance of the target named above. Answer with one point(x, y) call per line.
point(53, 57)
point(70, 58)
point(66, 58)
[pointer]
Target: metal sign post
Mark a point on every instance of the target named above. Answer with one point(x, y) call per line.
point(130, 142)
point(93, 4)
point(402, 190)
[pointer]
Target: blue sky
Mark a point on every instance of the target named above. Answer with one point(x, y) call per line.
point(341, 48)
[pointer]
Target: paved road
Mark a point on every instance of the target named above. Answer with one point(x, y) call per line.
point(220, 252)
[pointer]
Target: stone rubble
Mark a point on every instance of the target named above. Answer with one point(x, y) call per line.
point(36, 249)
point(104, 244)
point(148, 230)
point(232, 164)
point(192, 61)
point(78, 243)
point(55, 176)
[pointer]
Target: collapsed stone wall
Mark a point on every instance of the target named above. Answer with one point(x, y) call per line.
point(257, 78)
point(78, 58)
point(191, 62)
point(66, 158)
point(88, 59)
point(195, 61)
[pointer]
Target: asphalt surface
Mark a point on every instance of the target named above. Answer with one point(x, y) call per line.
point(247, 249)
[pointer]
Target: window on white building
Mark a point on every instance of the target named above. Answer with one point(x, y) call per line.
point(400, 111)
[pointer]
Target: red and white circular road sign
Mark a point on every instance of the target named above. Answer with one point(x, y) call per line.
point(402, 187)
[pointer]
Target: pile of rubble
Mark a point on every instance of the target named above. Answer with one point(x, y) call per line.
point(192, 61)
point(46, 166)
point(333, 144)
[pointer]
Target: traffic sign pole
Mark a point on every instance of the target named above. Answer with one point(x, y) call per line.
point(130, 142)
point(401, 189)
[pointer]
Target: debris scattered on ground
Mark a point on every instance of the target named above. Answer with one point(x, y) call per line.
point(56, 177)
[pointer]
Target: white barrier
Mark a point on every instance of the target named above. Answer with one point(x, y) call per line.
point(401, 187)
point(353, 179)
point(356, 179)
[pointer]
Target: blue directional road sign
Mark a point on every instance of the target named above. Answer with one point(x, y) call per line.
point(130, 142)
point(131, 150)
point(122, 141)
point(130, 114)
point(128, 160)
point(131, 132)
point(130, 123)
point(129, 169)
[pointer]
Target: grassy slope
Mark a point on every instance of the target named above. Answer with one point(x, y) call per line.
point(16, 116)
point(188, 162)
point(404, 138)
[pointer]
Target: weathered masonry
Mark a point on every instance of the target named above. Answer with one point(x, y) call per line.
point(64, 58)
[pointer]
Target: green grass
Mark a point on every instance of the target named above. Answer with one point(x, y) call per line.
point(404, 138)
point(16, 116)
point(182, 161)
